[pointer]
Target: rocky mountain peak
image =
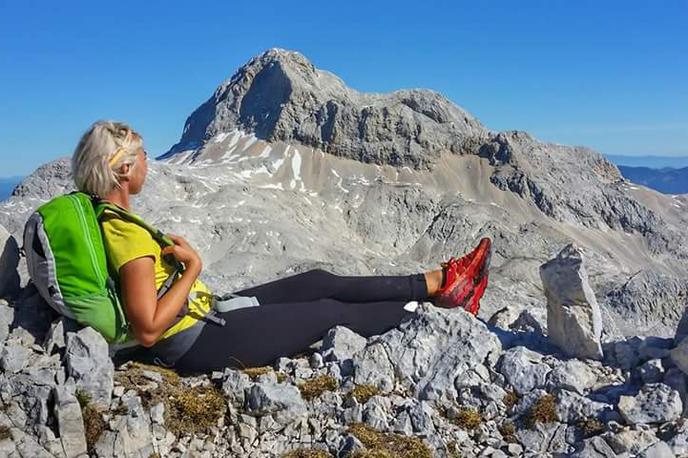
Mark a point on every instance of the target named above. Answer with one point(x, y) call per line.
point(281, 96)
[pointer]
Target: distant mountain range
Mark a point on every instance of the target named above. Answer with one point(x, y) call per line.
point(652, 162)
point(7, 185)
point(667, 174)
point(666, 180)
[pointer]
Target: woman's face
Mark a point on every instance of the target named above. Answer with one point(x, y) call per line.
point(138, 173)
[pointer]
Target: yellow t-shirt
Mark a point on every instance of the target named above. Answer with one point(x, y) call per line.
point(126, 241)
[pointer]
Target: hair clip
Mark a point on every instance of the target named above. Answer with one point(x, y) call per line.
point(118, 152)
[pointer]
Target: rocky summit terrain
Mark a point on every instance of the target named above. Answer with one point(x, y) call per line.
point(579, 349)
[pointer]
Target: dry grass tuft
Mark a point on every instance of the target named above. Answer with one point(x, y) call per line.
point(194, 410)
point(590, 427)
point(364, 392)
point(543, 411)
point(508, 432)
point(5, 433)
point(187, 410)
point(387, 445)
point(511, 398)
point(467, 418)
point(453, 450)
point(94, 425)
point(255, 372)
point(314, 387)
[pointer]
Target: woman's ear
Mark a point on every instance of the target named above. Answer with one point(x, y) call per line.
point(124, 171)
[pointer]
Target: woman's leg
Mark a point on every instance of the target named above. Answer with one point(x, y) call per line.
point(320, 284)
point(257, 336)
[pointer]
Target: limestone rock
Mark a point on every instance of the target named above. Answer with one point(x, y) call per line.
point(234, 385)
point(504, 317)
point(572, 407)
point(283, 402)
point(574, 320)
point(654, 403)
point(657, 450)
point(523, 369)
point(372, 366)
point(595, 447)
point(341, 343)
point(70, 422)
point(88, 363)
point(573, 374)
point(14, 357)
point(631, 441)
point(6, 319)
point(434, 353)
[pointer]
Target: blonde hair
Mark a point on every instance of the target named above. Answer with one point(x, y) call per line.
point(101, 152)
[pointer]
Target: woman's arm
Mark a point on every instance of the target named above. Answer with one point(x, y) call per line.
point(150, 317)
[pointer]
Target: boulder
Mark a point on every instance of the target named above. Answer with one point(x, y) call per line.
point(572, 374)
point(572, 407)
point(14, 357)
point(89, 365)
point(283, 402)
point(341, 343)
point(523, 369)
point(529, 321)
point(654, 403)
point(631, 441)
point(504, 317)
point(373, 367)
point(574, 320)
point(657, 450)
point(433, 353)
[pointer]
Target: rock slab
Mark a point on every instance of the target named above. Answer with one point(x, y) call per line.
point(574, 320)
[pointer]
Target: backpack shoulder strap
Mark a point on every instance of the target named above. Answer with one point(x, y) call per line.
point(157, 234)
point(102, 205)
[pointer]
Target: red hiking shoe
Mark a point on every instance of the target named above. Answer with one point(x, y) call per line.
point(466, 279)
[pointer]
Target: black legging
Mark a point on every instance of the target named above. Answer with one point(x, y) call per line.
point(297, 311)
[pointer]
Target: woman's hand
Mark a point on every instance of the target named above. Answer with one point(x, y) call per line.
point(183, 252)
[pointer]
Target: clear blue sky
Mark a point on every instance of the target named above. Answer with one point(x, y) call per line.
point(607, 74)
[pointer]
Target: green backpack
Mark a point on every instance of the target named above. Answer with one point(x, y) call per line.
point(67, 262)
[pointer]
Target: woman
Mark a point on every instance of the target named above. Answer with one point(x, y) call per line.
point(293, 312)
